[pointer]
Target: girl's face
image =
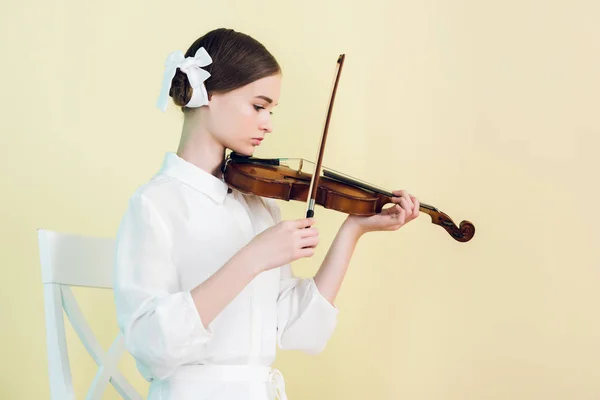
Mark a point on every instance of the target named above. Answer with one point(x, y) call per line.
point(240, 119)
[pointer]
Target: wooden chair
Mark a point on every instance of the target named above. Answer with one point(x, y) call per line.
point(74, 260)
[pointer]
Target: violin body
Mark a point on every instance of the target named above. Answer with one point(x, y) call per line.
point(283, 183)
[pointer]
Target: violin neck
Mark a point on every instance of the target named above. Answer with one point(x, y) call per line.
point(367, 186)
point(355, 182)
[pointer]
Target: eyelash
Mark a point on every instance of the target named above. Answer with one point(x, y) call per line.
point(258, 108)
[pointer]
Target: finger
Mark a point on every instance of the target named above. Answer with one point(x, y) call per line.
point(403, 194)
point(412, 214)
point(307, 252)
point(406, 205)
point(309, 242)
point(304, 222)
point(390, 210)
point(394, 211)
point(409, 202)
point(400, 211)
point(308, 232)
point(417, 204)
point(402, 217)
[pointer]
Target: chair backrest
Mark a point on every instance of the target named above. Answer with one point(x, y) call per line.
point(74, 260)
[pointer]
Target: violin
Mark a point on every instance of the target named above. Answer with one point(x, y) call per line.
point(281, 178)
point(274, 178)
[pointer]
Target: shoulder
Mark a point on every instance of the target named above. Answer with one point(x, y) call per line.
point(152, 192)
point(157, 196)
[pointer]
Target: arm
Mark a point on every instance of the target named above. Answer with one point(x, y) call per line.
point(276, 246)
point(330, 275)
point(159, 321)
point(163, 325)
point(306, 315)
point(214, 294)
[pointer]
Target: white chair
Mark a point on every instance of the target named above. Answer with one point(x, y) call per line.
point(73, 260)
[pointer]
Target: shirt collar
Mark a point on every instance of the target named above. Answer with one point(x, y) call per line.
point(188, 173)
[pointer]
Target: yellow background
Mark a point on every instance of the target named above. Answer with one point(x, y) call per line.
point(487, 110)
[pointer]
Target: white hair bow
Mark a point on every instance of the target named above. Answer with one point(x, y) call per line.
point(196, 75)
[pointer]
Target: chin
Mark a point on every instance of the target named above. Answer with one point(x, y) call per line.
point(244, 151)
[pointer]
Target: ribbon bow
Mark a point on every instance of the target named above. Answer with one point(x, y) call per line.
point(196, 75)
point(277, 385)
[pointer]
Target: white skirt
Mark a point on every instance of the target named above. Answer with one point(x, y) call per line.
point(220, 382)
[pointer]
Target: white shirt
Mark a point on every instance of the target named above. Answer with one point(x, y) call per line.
point(179, 228)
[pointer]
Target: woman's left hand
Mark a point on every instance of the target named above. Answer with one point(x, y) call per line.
point(404, 210)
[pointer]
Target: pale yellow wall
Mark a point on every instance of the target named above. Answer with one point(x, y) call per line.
point(486, 109)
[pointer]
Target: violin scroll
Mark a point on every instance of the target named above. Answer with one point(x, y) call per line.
point(462, 233)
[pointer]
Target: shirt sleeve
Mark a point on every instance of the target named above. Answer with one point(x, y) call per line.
point(305, 319)
point(160, 323)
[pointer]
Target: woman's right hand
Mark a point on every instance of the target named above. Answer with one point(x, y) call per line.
point(283, 243)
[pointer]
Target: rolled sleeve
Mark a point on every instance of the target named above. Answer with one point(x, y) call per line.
point(160, 323)
point(305, 319)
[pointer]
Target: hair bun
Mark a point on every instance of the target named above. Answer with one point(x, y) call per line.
point(180, 91)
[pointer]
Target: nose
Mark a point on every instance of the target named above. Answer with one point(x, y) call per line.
point(266, 125)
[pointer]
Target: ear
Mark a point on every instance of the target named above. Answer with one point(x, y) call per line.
point(209, 100)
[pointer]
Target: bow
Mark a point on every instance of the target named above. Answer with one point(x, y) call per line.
point(277, 385)
point(196, 75)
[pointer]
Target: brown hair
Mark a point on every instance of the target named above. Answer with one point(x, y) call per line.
point(237, 60)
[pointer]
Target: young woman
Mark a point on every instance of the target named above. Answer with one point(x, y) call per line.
point(203, 286)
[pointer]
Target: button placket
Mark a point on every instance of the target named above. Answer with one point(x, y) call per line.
point(242, 215)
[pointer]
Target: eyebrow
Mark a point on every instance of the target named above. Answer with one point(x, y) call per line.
point(267, 99)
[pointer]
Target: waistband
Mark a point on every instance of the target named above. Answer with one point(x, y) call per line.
point(235, 373)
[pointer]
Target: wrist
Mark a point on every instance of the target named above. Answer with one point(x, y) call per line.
point(353, 227)
point(247, 263)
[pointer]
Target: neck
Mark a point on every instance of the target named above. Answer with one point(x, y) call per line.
point(199, 147)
